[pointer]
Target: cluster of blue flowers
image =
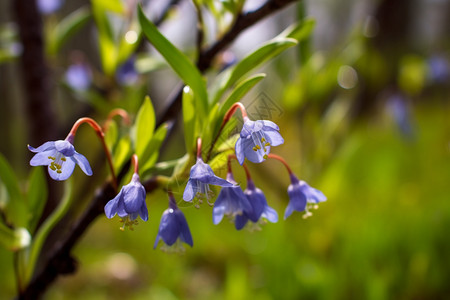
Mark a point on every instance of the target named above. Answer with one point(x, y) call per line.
point(255, 142)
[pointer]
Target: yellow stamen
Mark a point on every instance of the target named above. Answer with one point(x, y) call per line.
point(58, 171)
point(51, 157)
point(254, 149)
point(267, 144)
point(258, 147)
point(263, 140)
point(265, 156)
point(63, 158)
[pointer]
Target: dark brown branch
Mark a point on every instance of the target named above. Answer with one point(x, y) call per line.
point(242, 22)
point(40, 112)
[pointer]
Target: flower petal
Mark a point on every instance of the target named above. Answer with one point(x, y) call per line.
point(240, 221)
point(270, 214)
point(271, 125)
point(189, 193)
point(66, 170)
point(111, 206)
point(239, 149)
point(275, 137)
point(65, 147)
point(289, 210)
point(43, 147)
point(83, 163)
point(169, 229)
point(214, 180)
point(218, 212)
point(41, 158)
point(133, 197)
point(185, 233)
point(253, 156)
point(143, 212)
point(158, 237)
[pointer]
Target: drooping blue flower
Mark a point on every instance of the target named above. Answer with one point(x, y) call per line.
point(400, 111)
point(438, 69)
point(60, 157)
point(260, 208)
point(79, 77)
point(201, 176)
point(129, 203)
point(127, 74)
point(255, 140)
point(231, 201)
point(47, 7)
point(301, 194)
point(173, 226)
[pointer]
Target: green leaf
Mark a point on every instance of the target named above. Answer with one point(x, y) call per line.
point(37, 196)
point(255, 59)
point(187, 71)
point(13, 204)
point(189, 118)
point(108, 49)
point(45, 229)
point(67, 28)
point(111, 135)
point(301, 30)
point(240, 90)
point(144, 127)
point(219, 162)
point(14, 239)
point(122, 153)
point(152, 152)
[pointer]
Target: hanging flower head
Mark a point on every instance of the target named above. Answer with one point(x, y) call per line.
point(129, 203)
point(201, 176)
point(255, 140)
point(173, 228)
point(231, 201)
point(60, 157)
point(260, 208)
point(300, 195)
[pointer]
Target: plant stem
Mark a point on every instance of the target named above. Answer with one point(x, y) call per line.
point(101, 136)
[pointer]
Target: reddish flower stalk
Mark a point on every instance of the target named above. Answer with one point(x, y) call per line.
point(101, 135)
point(279, 158)
point(117, 112)
point(227, 118)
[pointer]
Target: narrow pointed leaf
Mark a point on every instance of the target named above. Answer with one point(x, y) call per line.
point(187, 71)
point(37, 196)
point(67, 28)
point(144, 127)
point(240, 91)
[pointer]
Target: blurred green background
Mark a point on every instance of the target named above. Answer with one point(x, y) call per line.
point(366, 119)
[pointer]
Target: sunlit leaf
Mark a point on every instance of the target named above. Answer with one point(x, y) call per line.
point(151, 154)
point(255, 59)
point(122, 153)
point(111, 134)
point(144, 127)
point(189, 118)
point(187, 71)
point(240, 91)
